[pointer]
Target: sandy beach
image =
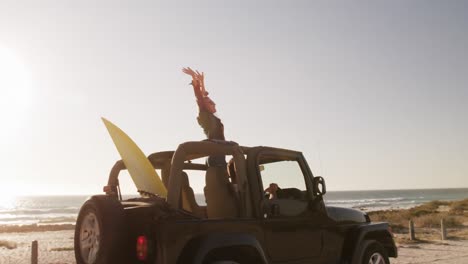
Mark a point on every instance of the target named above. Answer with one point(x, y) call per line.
point(55, 247)
point(447, 252)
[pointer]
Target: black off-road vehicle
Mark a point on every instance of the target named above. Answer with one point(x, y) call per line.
point(236, 221)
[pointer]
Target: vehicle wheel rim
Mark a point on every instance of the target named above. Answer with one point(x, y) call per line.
point(377, 258)
point(89, 238)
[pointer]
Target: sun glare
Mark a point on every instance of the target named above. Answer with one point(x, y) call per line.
point(7, 197)
point(15, 88)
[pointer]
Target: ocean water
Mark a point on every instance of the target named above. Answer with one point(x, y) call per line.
point(392, 199)
point(54, 210)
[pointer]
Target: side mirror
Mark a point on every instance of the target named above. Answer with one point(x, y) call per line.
point(319, 186)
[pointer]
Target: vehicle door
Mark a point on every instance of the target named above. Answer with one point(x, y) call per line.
point(292, 229)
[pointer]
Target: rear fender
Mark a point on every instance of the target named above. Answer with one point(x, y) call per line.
point(198, 248)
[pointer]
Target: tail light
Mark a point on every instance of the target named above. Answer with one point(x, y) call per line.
point(142, 248)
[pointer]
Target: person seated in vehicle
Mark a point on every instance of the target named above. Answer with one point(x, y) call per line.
point(272, 191)
point(275, 192)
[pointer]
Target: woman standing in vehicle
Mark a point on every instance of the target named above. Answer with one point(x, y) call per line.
point(220, 194)
point(211, 124)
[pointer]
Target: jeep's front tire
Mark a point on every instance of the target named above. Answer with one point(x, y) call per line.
point(99, 231)
point(374, 254)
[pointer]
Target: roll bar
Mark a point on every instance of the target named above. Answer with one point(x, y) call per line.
point(176, 162)
point(198, 149)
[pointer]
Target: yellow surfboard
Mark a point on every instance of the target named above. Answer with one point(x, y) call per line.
point(139, 167)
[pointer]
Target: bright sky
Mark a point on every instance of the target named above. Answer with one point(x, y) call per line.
point(374, 93)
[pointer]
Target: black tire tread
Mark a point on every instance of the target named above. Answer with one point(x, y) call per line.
point(110, 215)
point(373, 247)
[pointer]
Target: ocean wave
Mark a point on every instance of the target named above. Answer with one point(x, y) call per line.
point(27, 219)
point(372, 204)
point(5, 217)
point(22, 211)
point(32, 227)
point(17, 223)
point(353, 201)
point(59, 220)
point(67, 219)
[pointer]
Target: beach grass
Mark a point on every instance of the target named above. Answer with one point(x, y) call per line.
point(427, 220)
point(428, 215)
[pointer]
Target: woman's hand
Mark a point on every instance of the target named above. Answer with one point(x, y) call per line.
point(198, 80)
point(198, 83)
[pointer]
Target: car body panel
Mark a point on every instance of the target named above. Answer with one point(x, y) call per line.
point(320, 235)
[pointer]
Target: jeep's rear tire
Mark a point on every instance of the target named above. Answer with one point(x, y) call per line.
point(99, 231)
point(375, 254)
